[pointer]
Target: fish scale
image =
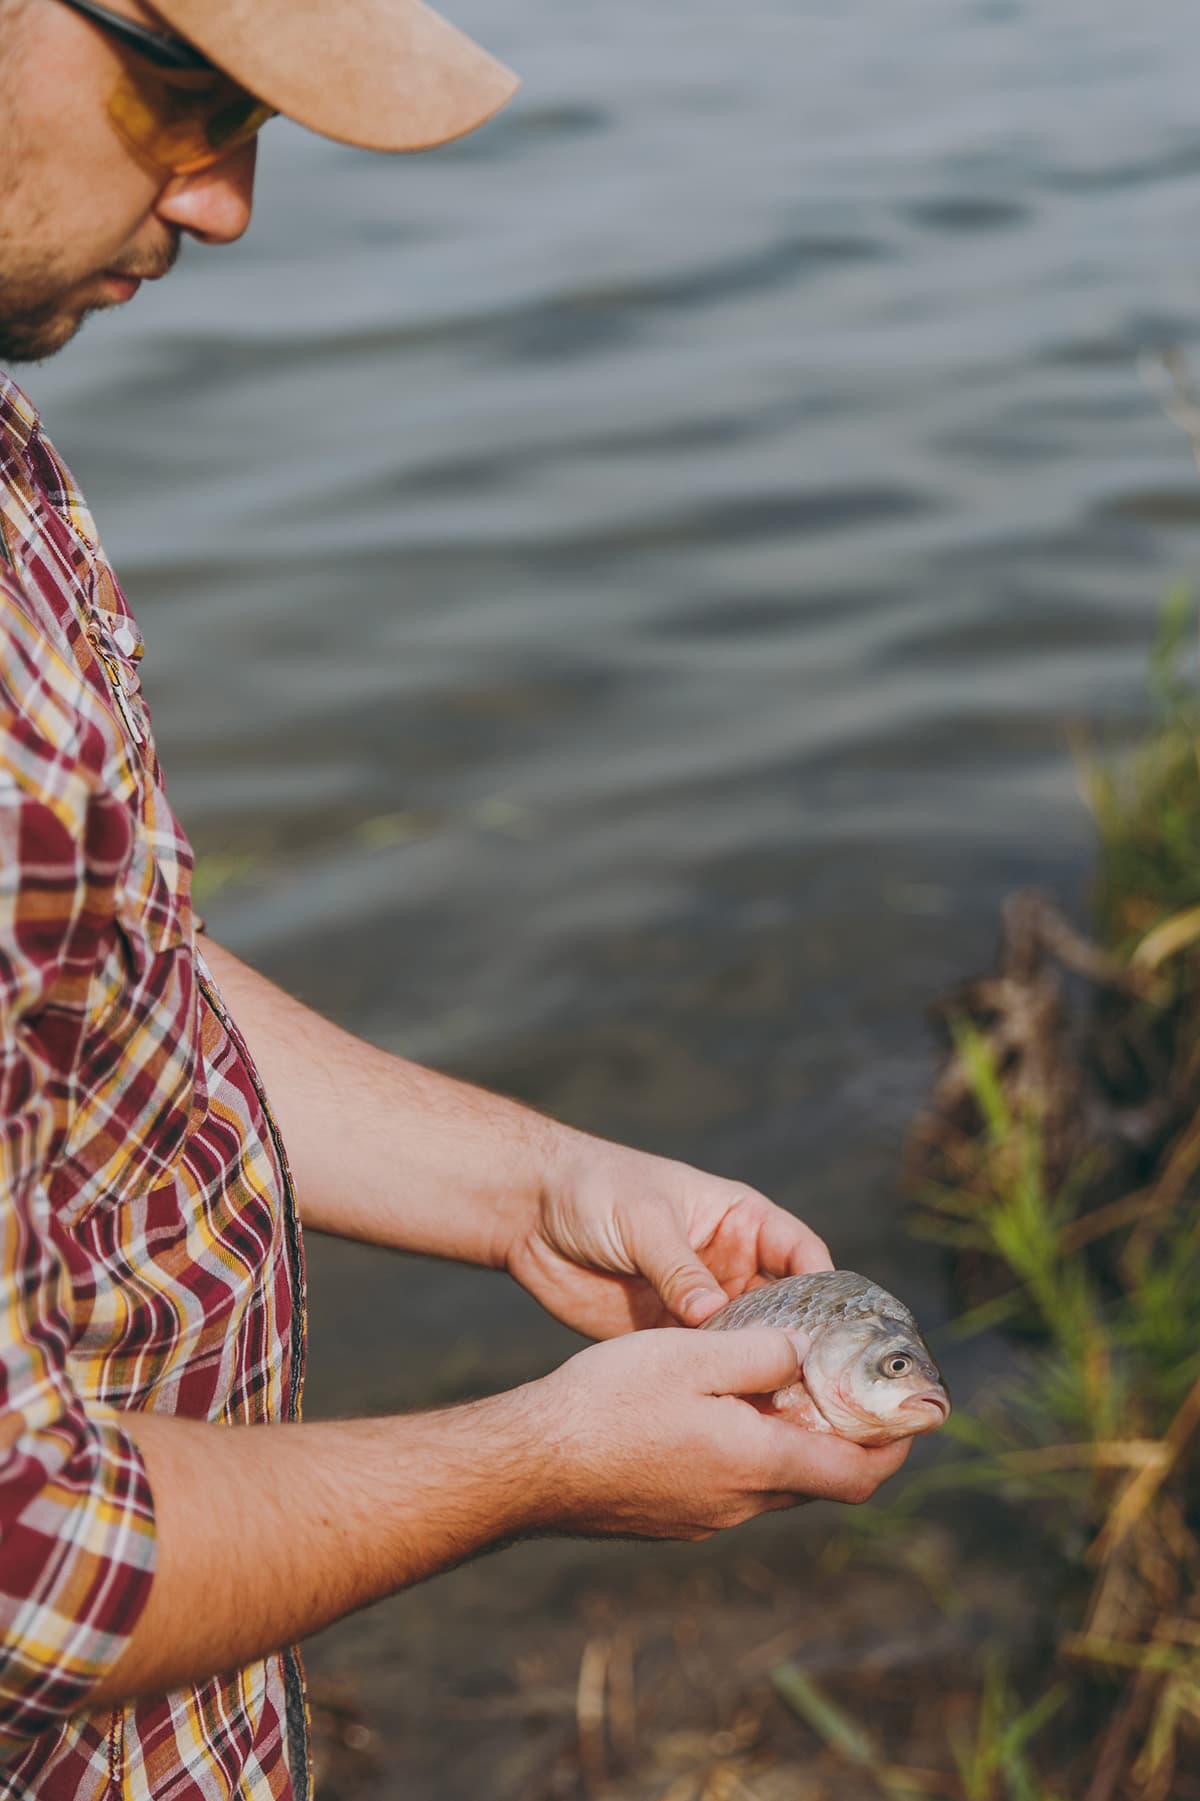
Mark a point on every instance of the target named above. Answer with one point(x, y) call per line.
point(868, 1374)
point(810, 1302)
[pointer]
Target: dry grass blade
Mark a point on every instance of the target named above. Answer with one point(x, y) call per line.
point(686, 1789)
point(1141, 1490)
point(725, 1784)
point(589, 1713)
point(1119, 1655)
point(1120, 1454)
point(1168, 938)
point(1131, 1209)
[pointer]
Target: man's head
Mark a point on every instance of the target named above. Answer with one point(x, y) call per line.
point(93, 199)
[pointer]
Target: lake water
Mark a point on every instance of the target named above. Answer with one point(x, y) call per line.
point(616, 589)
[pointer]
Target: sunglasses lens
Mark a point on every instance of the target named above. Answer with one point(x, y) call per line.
point(184, 123)
point(237, 122)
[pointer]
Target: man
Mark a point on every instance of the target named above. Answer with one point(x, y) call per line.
point(167, 1528)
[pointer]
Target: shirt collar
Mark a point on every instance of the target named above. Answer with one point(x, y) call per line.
point(18, 417)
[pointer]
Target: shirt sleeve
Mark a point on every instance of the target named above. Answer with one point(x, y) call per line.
point(76, 1516)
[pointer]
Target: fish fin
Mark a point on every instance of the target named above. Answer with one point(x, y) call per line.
point(797, 1405)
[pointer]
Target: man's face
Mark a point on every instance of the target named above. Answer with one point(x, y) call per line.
point(82, 217)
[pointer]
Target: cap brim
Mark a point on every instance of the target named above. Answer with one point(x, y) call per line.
point(383, 74)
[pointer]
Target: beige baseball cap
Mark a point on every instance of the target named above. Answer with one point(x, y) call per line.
point(383, 74)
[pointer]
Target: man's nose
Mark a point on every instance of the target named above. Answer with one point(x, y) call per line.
point(213, 205)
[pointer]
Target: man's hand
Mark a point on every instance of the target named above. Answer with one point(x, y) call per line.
point(651, 1436)
point(606, 1238)
point(621, 1240)
point(267, 1533)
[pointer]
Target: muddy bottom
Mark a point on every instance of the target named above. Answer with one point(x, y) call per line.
point(652, 1673)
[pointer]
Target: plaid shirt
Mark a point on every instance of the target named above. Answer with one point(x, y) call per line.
point(150, 1255)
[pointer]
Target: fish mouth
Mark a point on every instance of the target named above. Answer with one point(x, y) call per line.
point(934, 1403)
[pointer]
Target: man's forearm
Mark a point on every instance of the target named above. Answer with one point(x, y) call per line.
point(267, 1533)
point(382, 1149)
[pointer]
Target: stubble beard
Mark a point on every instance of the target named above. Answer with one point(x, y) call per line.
point(31, 326)
point(41, 308)
point(38, 315)
point(30, 335)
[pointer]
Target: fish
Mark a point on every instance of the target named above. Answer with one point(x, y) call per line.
point(868, 1376)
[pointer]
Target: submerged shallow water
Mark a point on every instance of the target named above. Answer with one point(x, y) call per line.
point(615, 589)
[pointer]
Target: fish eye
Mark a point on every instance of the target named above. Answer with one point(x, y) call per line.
point(896, 1363)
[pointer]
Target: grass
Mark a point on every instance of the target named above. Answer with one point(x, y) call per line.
point(1147, 812)
point(1094, 1444)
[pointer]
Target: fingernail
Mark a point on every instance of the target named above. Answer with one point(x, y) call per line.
point(803, 1344)
point(700, 1304)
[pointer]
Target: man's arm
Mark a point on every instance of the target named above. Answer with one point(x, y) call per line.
point(267, 1533)
point(138, 1551)
point(606, 1237)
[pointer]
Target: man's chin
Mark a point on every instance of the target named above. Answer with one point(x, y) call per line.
point(32, 337)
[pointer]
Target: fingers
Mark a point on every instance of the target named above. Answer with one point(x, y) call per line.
point(714, 1461)
point(791, 1248)
point(751, 1240)
point(754, 1361)
point(783, 1244)
point(663, 1255)
point(828, 1468)
point(810, 1256)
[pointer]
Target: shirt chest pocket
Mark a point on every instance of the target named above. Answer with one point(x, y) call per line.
point(140, 1083)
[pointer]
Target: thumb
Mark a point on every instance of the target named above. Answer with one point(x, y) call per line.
point(755, 1360)
point(664, 1257)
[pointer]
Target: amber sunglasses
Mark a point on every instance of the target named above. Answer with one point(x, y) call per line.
point(172, 105)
